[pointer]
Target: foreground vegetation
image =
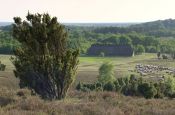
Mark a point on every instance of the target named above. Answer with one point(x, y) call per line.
point(80, 103)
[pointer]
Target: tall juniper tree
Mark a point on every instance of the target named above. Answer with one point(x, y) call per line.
point(43, 62)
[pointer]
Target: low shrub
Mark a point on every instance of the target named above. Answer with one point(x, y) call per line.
point(106, 73)
point(147, 90)
point(160, 90)
point(134, 86)
point(121, 82)
point(5, 101)
point(130, 90)
point(79, 86)
point(99, 86)
point(90, 86)
point(172, 95)
point(164, 56)
point(169, 86)
point(85, 87)
point(24, 92)
point(118, 87)
point(2, 67)
point(109, 86)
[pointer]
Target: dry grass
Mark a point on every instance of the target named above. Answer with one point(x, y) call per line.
point(7, 78)
point(80, 103)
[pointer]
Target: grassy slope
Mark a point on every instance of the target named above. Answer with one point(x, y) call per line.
point(88, 67)
point(87, 72)
point(79, 103)
point(7, 78)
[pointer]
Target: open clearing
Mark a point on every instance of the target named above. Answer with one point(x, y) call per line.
point(88, 67)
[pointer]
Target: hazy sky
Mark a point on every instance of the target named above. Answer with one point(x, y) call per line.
point(91, 10)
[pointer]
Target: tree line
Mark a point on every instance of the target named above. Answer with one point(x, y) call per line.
point(136, 35)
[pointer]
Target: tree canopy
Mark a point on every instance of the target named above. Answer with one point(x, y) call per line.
point(42, 60)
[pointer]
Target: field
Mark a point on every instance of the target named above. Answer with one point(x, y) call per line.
point(88, 67)
point(87, 71)
point(124, 66)
point(7, 78)
point(89, 103)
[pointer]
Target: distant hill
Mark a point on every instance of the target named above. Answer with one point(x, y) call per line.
point(5, 23)
point(155, 25)
point(85, 24)
point(100, 24)
point(159, 28)
point(6, 26)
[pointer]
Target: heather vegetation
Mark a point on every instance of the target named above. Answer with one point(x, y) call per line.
point(21, 102)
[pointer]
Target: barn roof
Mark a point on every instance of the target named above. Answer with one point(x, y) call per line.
point(110, 50)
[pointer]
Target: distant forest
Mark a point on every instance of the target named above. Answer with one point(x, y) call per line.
point(153, 37)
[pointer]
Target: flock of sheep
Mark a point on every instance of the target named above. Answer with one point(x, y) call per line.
point(146, 69)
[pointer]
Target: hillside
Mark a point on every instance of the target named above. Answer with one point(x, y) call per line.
point(159, 28)
point(6, 26)
point(156, 28)
point(5, 23)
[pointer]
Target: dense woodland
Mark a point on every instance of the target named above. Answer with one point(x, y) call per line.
point(152, 37)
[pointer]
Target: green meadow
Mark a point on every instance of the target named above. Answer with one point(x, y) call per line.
point(88, 67)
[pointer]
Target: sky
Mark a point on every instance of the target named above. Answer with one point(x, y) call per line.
point(88, 11)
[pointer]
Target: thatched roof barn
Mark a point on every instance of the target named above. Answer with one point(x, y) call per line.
point(110, 50)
